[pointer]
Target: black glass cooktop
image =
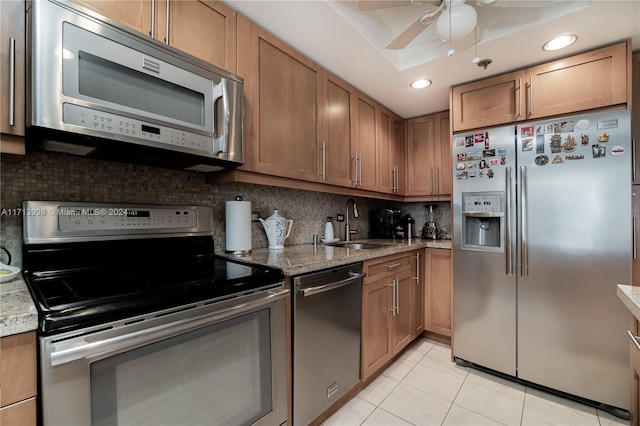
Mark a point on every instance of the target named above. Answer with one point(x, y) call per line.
point(81, 285)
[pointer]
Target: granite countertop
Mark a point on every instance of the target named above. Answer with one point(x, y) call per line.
point(18, 313)
point(630, 296)
point(305, 258)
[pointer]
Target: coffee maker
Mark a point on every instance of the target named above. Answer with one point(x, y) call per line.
point(430, 230)
point(386, 223)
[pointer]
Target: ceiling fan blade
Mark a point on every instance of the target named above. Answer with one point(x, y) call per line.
point(410, 33)
point(367, 5)
point(514, 3)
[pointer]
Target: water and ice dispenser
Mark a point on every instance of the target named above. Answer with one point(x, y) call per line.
point(483, 221)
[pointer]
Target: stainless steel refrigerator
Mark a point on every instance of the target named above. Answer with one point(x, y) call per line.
point(542, 236)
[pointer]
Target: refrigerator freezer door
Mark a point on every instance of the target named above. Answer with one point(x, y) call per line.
point(484, 293)
point(575, 230)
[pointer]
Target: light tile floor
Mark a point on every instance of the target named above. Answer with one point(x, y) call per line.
point(423, 387)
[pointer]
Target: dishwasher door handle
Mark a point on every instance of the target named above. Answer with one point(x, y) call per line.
point(310, 291)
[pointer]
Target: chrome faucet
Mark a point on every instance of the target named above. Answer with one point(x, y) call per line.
point(347, 228)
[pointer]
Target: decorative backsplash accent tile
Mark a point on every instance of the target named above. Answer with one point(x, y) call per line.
point(44, 176)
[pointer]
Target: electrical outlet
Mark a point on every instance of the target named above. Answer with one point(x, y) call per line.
point(339, 217)
point(255, 216)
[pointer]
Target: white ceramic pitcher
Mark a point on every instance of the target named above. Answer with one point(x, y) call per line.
point(277, 229)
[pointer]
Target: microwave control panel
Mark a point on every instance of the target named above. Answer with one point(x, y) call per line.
point(104, 122)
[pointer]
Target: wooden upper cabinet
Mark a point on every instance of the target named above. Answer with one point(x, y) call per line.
point(283, 92)
point(591, 80)
point(364, 152)
point(205, 29)
point(489, 102)
point(391, 153)
point(429, 155)
point(12, 80)
point(443, 152)
point(339, 104)
point(135, 14)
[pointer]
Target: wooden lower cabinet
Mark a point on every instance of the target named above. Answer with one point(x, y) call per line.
point(634, 364)
point(18, 379)
point(388, 310)
point(438, 291)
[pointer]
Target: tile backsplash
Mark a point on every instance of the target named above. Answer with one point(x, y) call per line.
point(44, 176)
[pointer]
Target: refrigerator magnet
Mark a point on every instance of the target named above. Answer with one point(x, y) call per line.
point(604, 137)
point(461, 166)
point(459, 141)
point(526, 132)
point(563, 127)
point(557, 160)
point(598, 151)
point(541, 160)
point(489, 153)
point(582, 124)
point(475, 156)
point(471, 165)
point(527, 144)
point(584, 139)
point(462, 175)
point(461, 156)
point(544, 129)
point(617, 150)
point(472, 174)
point(490, 174)
point(468, 141)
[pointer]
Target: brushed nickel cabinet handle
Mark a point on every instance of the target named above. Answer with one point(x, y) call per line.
point(12, 81)
point(633, 159)
point(417, 277)
point(519, 97)
point(152, 33)
point(530, 96)
point(393, 265)
point(166, 34)
point(634, 340)
point(324, 161)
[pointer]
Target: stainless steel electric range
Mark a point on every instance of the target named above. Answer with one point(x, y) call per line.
point(140, 322)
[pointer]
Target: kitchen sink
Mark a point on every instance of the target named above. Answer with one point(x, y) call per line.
point(357, 246)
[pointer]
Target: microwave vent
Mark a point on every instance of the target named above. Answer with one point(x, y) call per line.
point(67, 148)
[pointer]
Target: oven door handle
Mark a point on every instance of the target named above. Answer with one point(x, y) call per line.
point(73, 350)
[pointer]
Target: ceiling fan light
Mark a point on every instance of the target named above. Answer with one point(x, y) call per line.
point(421, 83)
point(463, 21)
point(560, 42)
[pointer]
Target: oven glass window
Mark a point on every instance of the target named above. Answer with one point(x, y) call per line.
point(218, 375)
point(111, 82)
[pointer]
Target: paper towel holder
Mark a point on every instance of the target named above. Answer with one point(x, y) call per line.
point(233, 246)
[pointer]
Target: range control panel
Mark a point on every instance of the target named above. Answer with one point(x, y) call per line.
point(122, 218)
point(477, 202)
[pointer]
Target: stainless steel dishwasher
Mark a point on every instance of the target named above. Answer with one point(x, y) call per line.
point(326, 339)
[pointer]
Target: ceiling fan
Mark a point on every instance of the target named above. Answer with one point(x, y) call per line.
point(454, 19)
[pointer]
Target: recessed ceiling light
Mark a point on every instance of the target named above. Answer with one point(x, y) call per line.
point(560, 42)
point(421, 83)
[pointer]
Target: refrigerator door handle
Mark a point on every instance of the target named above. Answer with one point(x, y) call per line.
point(507, 222)
point(523, 222)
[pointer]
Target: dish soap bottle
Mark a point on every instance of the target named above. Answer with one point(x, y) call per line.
point(328, 230)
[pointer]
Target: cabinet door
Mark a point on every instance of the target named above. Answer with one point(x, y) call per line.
point(438, 291)
point(339, 100)
point(488, 102)
point(421, 155)
point(376, 331)
point(12, 84)
point(283, 89)
point(635, 117)
point(17, 368)
point(402, 319)
point(417, 295)
point(364, 152)
point(205, 29)
point(391, 152)
point(634, 410)
point(591, 80)
point(444, 167)
point(135, 14)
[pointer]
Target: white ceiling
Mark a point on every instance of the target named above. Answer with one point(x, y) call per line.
point(351, 44)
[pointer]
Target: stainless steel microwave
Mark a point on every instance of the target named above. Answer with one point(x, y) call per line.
point(98, 89)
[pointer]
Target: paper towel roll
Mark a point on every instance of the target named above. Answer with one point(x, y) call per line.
point(238, 227)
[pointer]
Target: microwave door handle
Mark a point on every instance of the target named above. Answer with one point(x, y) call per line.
point(220, 137)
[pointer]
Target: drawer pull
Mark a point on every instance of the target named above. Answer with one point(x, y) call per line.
point(393, 265)
point(634, 339)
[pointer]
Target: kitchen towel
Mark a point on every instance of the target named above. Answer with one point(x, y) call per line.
point(238, 226)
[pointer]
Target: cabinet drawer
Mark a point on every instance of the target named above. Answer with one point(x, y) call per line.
point(22, 414)
point(17, 368)
point(377, 268)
